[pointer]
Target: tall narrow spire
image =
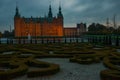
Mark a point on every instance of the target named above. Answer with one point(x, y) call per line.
point(50, 12)
point(60, 12)
point(59, 9)
point(17, 14)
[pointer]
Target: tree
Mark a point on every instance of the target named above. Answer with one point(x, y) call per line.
point(97, 28)
point(92, 27)
point(13, 33)
point(8, 34)
point(0, 34)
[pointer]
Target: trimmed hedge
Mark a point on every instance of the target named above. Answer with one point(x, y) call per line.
point(81, 61)
point(113, 63)
point(110, 75)
point(85, 61)
point(52, 69)
point(54, 56)
point(30, 51)
point(86, 58)
point(15, 71)
point(110, 65)
point(45, 68)
point(80, 53)
point(20, 66)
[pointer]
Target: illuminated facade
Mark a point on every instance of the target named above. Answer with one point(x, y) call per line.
point(40, 26)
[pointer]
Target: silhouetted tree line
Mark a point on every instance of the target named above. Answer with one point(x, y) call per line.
point(0, 34)
point(96, 28)
point(7, 34)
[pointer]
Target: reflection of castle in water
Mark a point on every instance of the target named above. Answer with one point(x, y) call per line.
point(45, 26)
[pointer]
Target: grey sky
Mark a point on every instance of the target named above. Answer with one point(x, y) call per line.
point(74, 11)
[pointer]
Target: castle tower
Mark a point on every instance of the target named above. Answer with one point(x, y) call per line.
point(17, 14)
point(17, 23)
point(60, 15)
point(50, 12)
point(60, 18)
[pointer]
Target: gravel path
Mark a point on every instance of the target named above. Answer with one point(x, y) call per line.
point(71, 71)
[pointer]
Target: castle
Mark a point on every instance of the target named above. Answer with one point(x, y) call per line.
point(40, 26)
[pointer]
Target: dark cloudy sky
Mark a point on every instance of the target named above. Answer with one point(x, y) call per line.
point(74, 11)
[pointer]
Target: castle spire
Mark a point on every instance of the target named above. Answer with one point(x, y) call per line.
point(59, 9)
point(60, 12)
point(17, 14)
point(50, 12)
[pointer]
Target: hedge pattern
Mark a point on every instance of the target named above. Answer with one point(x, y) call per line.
point(112, 62)
point(20, 66)
point(23, 57)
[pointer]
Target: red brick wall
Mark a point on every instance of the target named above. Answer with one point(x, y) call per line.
point(22, 29)
point(70, 31)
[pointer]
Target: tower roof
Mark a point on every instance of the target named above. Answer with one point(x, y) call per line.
point(17, 14)
point(50, 12)
point(60, 12)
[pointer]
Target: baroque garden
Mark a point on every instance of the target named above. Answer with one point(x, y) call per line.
point(20, 60)
point(38, 53)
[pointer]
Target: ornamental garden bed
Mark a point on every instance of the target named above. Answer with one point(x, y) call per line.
point(22, 59)
point(112, 62)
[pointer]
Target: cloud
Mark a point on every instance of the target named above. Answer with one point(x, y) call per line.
point(74, 11)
